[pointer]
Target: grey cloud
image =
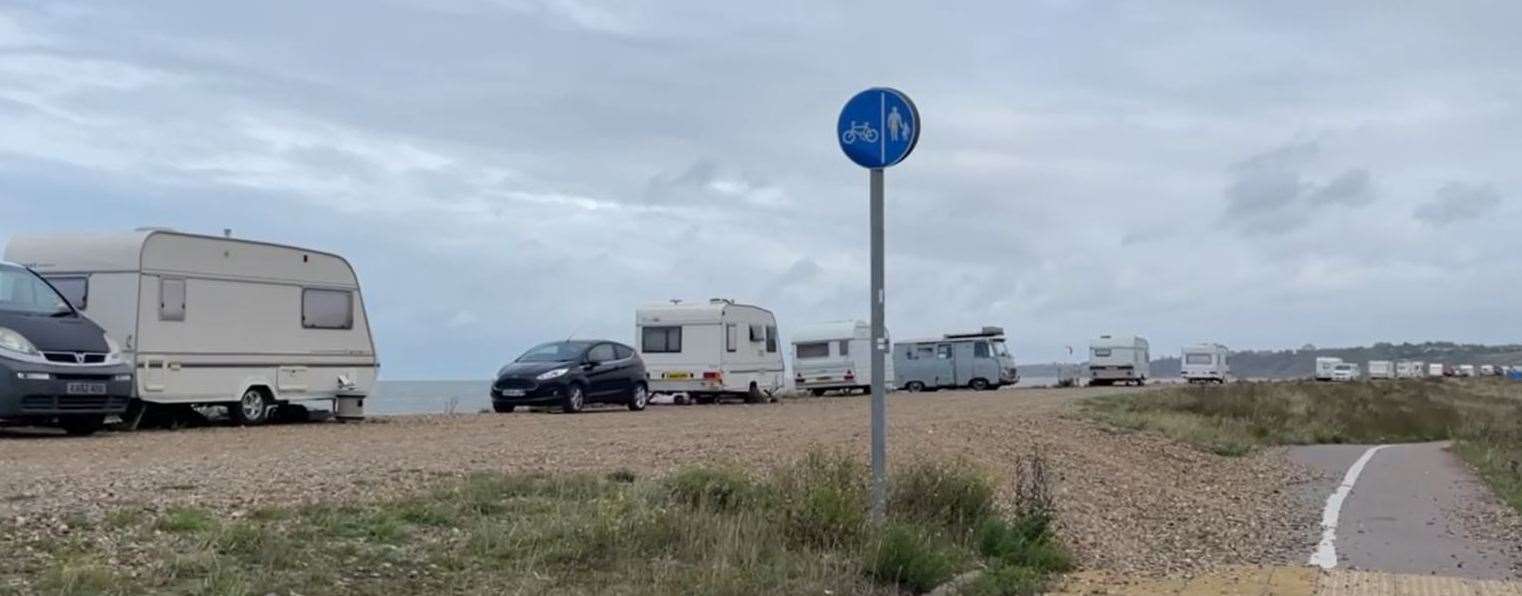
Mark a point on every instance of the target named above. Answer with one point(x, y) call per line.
point(1352, 188)
point(1458, 201)
point(1271, 193)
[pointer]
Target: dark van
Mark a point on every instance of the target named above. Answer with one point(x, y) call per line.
point(57, 367)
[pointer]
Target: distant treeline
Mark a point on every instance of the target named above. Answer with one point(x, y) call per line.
point(1302, 362)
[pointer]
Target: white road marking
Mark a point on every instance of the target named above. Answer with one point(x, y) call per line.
point(1326, 552)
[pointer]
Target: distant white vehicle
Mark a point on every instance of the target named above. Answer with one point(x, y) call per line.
point(1436, 369)
point(978, 360)
point(835, 356)
point(216, 320)
point(1410, 369)
point(1381, 369)
point(1345, 372)
point(1466, 370)
point(710, 349)
point(1487, 370)
point(1325, 366)
point(1125, 359)
point(1204, 363)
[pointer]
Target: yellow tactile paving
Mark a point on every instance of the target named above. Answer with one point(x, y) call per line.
point(1284, 581)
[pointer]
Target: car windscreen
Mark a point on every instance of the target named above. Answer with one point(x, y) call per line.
point(23, 292)
point(560, 351)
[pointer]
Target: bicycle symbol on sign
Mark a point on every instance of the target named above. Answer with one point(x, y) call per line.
point(859, 130)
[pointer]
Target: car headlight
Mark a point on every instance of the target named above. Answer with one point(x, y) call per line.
point(550, 374)
point(113, 351)
point(16, 343)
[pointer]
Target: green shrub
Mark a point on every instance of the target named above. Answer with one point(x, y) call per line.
point(186, 520)
point(711, 488)
point(1001, 579)
point(908, 556)
point(823, 500)
point(952, 494)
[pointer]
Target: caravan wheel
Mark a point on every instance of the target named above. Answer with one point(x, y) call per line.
point(253, 408)
point(754, 395)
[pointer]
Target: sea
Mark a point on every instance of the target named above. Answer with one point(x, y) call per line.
point(392, 398)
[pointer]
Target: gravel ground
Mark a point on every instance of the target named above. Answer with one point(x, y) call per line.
point(1129, 503)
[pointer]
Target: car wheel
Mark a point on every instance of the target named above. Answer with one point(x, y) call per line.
point(503, 408)
point(82, 426)
point(978, 385)
point(251, 409)
point(914, 386)
point(639, 397)
point(574, 399)
point(754, 395)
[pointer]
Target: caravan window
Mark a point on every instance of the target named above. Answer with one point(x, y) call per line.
point(980, 349)
point(845, 347)
point(171, 299)
point(813, 350)
point(771, 339)
point(757, 333)
point(1198, 359)
point(923, 352)
point(943, 351)
point(327, 309)
point(731, 337)
point(661, 340)
point(75, 289)
point(1101, 352)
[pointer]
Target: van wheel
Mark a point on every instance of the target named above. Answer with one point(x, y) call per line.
point(574, 399)
point(82, 426)
point(914, 386)
point(639, 397)
point(252, 409)
point(978, 385)
point(754, 395)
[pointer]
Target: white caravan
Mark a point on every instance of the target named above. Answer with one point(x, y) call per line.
point(212, 320)
point(835, 356)
point(1204, 363)
point(1466, 370)
point(1325, 366)
point(1124, 359)
point(1381, 369)
point(1436, 369)
point(707, 350)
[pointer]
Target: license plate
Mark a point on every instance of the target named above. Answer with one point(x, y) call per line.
point(513, 392)
point(676, 375)
point(86, 388)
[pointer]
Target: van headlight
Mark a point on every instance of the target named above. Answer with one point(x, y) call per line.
point(550, 374)
point(16, 344)
point(113, 351)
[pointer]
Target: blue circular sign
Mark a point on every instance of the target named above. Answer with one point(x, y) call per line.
point(878, 128)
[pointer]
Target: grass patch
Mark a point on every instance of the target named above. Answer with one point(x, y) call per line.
point(1483, 417)
point(800, 528)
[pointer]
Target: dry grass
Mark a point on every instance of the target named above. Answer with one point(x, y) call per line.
point(798, 529)
point(1482, 416)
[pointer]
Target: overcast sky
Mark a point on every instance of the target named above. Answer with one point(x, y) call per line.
point(505, 172)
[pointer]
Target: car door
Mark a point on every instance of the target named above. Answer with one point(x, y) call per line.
point(631, 370)
point(602, 374)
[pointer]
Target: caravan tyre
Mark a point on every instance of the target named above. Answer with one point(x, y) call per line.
point(639, 397)
point(754, 395)
point(574, 399)
point(251, 409)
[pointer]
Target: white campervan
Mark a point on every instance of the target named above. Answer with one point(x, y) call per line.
point(1124, 359)
point(1381, 369)
point(707, 350)
point(1204, 363)
point(1325, 366)
point(213, 320)
point(835, 356)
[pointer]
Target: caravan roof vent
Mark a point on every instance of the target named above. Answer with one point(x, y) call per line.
point(986, 331)
point(153, 229)
point(720, 301)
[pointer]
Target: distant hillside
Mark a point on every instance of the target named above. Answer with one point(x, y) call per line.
point(1275, 364)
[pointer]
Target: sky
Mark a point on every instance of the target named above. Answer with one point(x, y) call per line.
point(505, 172)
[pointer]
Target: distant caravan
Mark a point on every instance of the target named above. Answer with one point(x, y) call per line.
point(1381, 369)
point(209, 320)
point(1325, 367)
point(1204, 363)
point(1124, 360)
point(835, 357)
point(709, 350)
point(978, 360)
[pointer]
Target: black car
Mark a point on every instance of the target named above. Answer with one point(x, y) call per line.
point(571, 374)
point(57, 367)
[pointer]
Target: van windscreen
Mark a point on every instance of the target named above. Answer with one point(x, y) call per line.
point(22, 291)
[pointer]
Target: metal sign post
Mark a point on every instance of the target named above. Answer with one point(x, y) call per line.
point(896, 131)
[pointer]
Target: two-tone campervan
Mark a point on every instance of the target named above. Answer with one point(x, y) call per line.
point(707, 350)
point(208, 320)
point(1204, 363)
point(1325, 367)
point(977, 360)
point(835, 356)
point(1119, 359)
